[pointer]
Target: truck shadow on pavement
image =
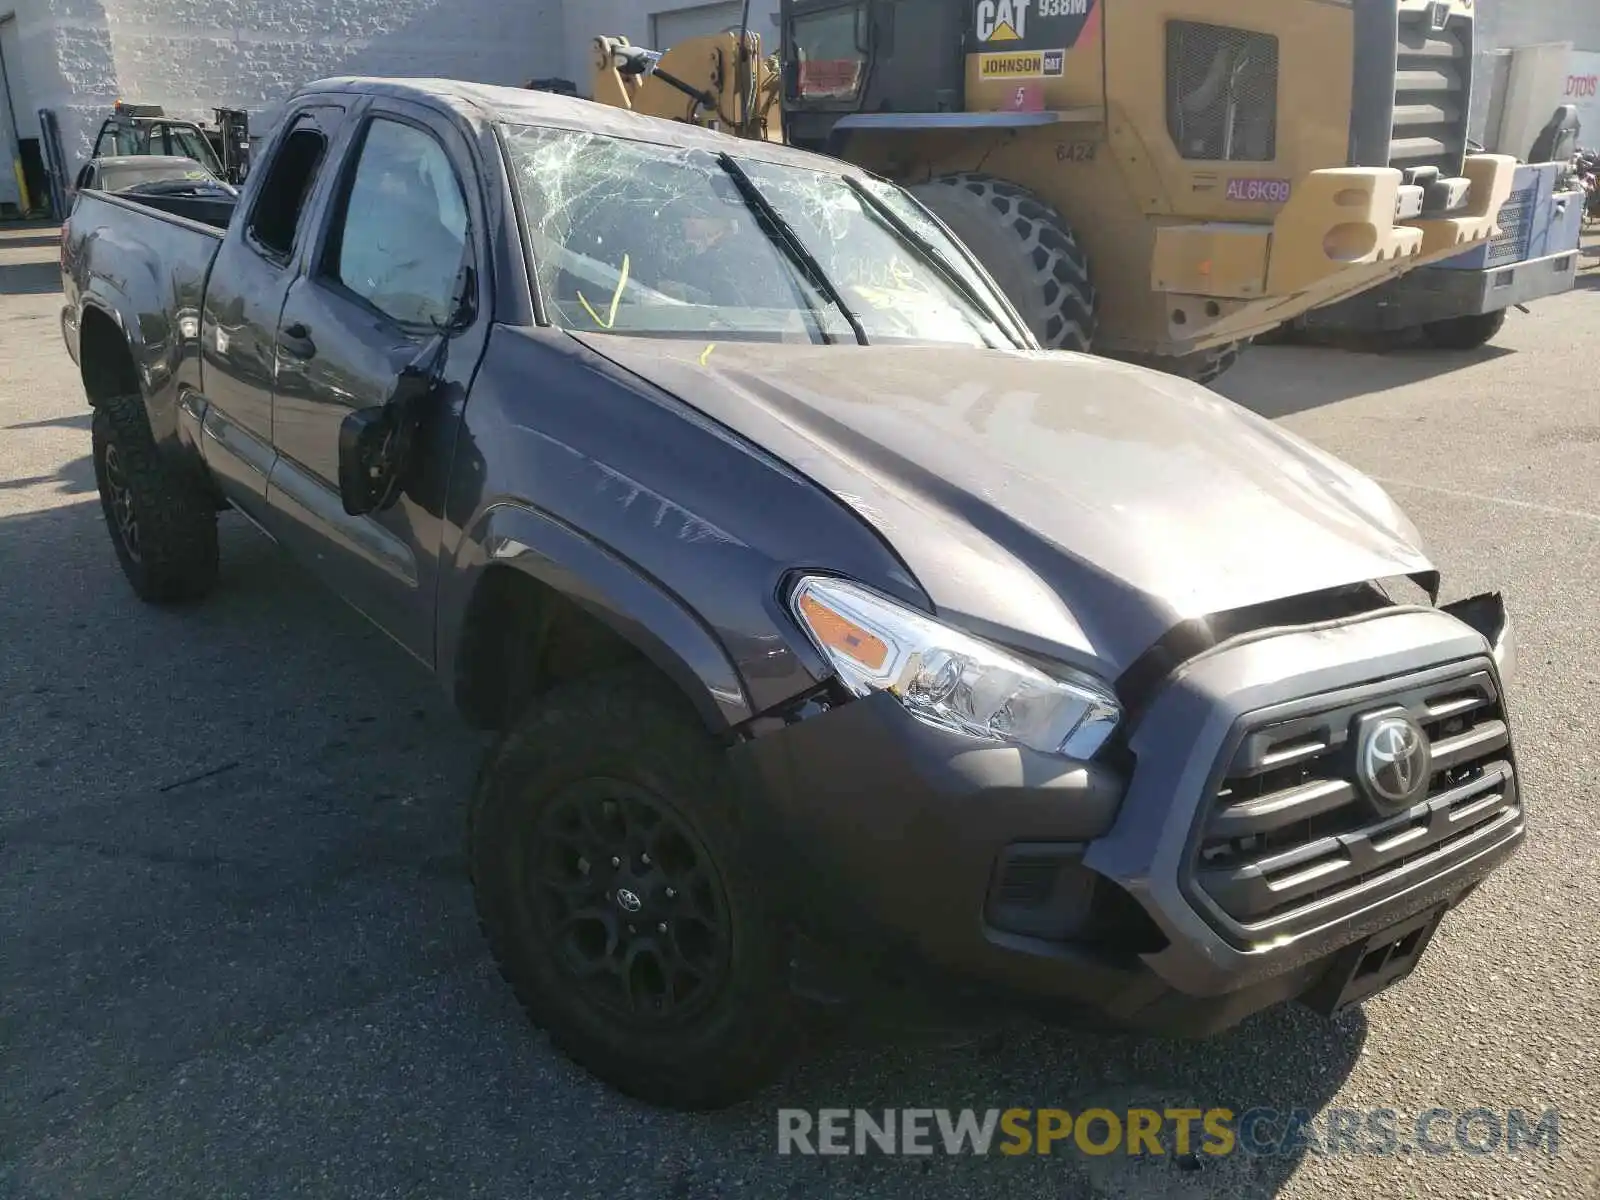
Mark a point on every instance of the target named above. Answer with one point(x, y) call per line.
point(75, 478)
point(242, 956)
point(1276, 381)
point(50, 236)
point(29, 278)
point(81, 420)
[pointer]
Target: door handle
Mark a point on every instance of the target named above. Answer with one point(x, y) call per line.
point(295, 340)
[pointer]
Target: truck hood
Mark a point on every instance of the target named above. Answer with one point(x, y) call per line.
point(1071, 504)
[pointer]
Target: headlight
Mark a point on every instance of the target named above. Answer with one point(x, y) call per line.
point(949, 679)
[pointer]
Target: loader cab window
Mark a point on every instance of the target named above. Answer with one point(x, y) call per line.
point(1222, 92)
point(282, 198)
point(826, 55)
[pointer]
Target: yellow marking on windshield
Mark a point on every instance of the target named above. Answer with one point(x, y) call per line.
point(707, 354)
point(616, 298)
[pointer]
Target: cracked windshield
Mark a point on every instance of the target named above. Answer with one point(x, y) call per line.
point(638, 238)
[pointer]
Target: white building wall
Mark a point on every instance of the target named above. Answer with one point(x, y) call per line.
point(190, 56)
point(1532, 22)
point(1513, 24)
point(60, 57)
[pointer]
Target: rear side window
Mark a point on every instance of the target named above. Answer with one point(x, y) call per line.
point(282, 199)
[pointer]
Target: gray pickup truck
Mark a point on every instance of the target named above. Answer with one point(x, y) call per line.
point(835, 633)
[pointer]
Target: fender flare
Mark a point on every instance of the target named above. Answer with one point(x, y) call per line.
point(605, 585)
point(155, 349)
point(98, 299)
point(159, 397)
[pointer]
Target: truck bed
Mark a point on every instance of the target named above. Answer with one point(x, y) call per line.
point(125, 255)
point(213, 212)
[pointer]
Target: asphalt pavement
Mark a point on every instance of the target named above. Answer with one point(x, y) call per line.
point(237, 950)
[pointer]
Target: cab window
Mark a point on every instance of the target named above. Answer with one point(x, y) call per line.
point(400, 236)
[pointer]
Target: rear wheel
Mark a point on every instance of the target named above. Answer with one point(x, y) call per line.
point(1465, 333)
point(163, 523)
point(615, 894)
point(1029, 249)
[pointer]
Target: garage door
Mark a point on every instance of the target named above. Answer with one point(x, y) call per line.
point(667, 29)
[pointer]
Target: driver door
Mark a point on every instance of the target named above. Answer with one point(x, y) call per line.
point(379, 280)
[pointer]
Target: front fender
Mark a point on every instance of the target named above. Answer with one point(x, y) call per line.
point(607, 586)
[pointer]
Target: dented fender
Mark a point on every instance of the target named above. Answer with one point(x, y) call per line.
point(610, 589)
point(1487, 614)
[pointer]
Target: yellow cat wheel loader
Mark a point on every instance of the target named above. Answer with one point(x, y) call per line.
point(1156, 180)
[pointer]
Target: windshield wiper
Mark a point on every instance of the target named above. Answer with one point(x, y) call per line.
point(789, 242)
point(926, 249)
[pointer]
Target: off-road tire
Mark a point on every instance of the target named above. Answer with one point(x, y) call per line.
point(1203, 366)
point(1464, 333)
point(1029, 249)
point(629, 726)
point(169, 552)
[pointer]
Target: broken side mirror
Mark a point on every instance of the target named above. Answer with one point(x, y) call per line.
point(363, 438)
point(375, 443)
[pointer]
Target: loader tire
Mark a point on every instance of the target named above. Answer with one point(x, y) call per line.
point(1464, 333)
point(1203, 366)
point(1029, 249)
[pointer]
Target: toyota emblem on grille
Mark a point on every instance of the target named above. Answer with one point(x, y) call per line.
point(1393, 761)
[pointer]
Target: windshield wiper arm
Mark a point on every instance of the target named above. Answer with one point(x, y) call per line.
point(929, 252)
point(789, 241)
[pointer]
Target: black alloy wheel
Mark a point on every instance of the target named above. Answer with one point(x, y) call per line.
point(119, 500)
point(631, 902)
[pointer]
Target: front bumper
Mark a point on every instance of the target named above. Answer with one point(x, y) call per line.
point(897, 844)
point(1440, 293)
point(1337, 235)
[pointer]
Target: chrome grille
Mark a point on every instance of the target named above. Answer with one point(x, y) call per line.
point(1290, 841)
point(1432, 93)
point(1515, 221)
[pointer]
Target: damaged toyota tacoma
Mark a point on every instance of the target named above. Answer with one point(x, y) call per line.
point(832, 630)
